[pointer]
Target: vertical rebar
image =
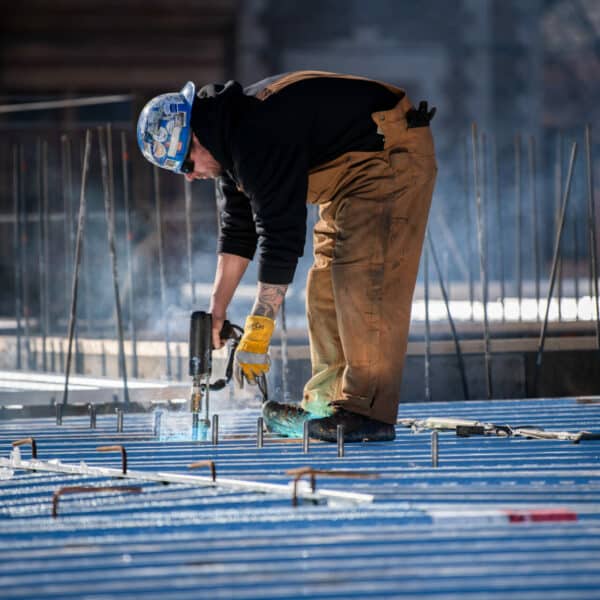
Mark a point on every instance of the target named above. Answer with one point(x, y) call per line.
point(427, 324)
point(77, 260)
point(305, 438)
point(558, 173)
point(128, 260)
point(469, 226)
point(17, 253)
point(500, 242)
point(482, 263)
point(215, 430)
point(435, 449)
point(518, 228)
point(67, 189)
point(555, 259)
point(86, 285)
point(24, 261)
point(46, 207)
point(459, 356)
point(340, 441)
point(575, 227)
point(161, 269)
point(58, 407)
point(485, 208)
point(259, 432)
point(109, 213)
point(40, 248)
point(591, 216)
point(92, 411)
point(284, 354)
point(187, 190)
point(535, 234)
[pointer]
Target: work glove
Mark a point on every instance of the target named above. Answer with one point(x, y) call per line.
point(251, 357)
point(420, 117)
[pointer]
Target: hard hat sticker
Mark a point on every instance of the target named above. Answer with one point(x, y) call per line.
point(174, 142)
point(158, 150)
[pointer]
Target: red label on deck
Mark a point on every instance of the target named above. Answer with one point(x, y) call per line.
point(543, 515)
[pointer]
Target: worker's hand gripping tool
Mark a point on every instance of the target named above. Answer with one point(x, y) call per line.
point(200, 362)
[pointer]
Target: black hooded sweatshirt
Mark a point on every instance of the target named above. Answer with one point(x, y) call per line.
point(267, 147)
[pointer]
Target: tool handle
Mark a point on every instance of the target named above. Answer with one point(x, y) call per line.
point(200, 346)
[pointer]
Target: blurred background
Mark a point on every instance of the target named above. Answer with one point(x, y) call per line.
point(516, 84)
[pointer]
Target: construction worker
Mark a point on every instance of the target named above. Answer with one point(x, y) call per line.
point(359, 150)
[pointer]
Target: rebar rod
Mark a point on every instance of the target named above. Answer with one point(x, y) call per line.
point(67, 188)
point(575, 226)
point(187, 190)
point(427, 325)
point(46, 210)
point(77, 260)
point(555, 259)
point(128, 259)
point(501, 258)
point(243, 485)
point(485, 206)
point(109, 211)
point(459, 356)
point(535, 234)
point(86, 279)
point(40, 249)
point(482, 263)
point(284, 354)
point(17, 254)
point(518, 228)
point(111, 175)
point(469, 227)
point(161, 269)
point(25, 272)
point(558, 172)
point(591, 210)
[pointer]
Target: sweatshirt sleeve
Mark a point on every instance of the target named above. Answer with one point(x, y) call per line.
point(275, 179)
point(237, 234)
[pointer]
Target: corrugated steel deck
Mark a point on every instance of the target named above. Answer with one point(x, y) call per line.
point(439, 533)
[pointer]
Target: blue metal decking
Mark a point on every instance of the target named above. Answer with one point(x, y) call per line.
point(499, 517)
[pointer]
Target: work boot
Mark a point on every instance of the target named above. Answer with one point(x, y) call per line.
point(357, 428)
point(285, 419)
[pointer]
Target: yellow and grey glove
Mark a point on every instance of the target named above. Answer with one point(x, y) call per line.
point(251, 357)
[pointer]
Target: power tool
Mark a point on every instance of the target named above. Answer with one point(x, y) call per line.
point(200, 366)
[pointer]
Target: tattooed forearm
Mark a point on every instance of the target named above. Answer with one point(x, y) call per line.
point(269, 300)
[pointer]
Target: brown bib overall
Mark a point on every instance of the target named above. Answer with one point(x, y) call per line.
point(373, 209)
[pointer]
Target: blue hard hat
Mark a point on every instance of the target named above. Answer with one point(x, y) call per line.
point(164, 130)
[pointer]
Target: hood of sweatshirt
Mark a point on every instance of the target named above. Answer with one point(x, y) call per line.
point(215, 114)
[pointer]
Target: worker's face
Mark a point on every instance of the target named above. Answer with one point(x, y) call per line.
point(205, 165)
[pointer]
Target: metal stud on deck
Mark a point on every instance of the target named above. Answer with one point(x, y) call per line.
point(215, 430)
point(305, 439)
point(434, 449)
point(340, 441)
point(259, 432)
point(119, 412)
